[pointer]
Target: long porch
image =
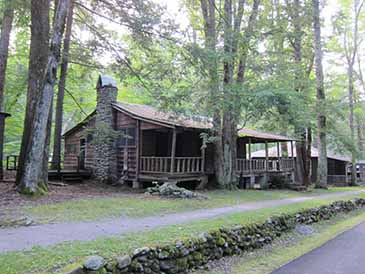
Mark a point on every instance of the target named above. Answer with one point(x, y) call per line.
point(259, 172)
point(255, 166)
point(177, 155)
point(195, 165)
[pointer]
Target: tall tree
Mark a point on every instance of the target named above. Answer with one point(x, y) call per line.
point(297, 15)
point(210, 42)
point(38, 56)
point(321, 99)
point(6, 26)
point(56, 157)
point(34, 179)
point(224, 102)
point(351, 49)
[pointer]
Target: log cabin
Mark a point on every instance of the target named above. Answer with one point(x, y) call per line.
point(337, 165)
point(154, 145)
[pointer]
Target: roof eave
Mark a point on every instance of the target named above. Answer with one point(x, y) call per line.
point(138, 117)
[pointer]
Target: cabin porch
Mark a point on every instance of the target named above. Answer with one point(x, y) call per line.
point(256, 173)
point(171, 155)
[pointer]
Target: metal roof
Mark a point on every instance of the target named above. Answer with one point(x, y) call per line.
point(259, 136)
point(314, 153)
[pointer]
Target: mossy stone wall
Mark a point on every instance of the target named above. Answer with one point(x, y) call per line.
point(193, 253)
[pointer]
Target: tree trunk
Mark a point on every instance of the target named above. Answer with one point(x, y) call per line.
point(34, 178)
point(56, 158)
point(223, 103)
point(360, 145)
point(39, 47)
point(208, 11)
point(301, 146)
point(350, 75)
point(229, 125)
point(321, 99)
point(6, 26)
point(351, 53)
point(308, 156)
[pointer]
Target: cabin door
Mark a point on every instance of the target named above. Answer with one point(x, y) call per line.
point(82, 153)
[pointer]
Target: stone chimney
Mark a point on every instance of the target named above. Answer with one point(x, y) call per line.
point(105, 159)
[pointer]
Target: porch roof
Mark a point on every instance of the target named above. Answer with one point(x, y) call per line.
point(314, 153)
point(260, 137)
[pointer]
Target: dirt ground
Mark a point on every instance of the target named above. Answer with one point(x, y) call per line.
point(11, 199)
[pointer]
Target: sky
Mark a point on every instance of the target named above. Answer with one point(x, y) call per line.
point(174, 7)
point(176, 11)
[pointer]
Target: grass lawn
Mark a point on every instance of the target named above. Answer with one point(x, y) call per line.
point(291, 246)
point(140, 205)
point(52, 259)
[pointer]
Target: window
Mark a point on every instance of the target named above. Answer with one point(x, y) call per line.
point(89, 138)
point(71, 148)
point(127, 137)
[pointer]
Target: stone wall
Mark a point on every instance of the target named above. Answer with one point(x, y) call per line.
point(196, 252)
point(105, 157)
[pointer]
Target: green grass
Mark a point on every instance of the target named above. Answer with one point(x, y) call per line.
point(265, 261)
point(52, 258)
point(138, 206)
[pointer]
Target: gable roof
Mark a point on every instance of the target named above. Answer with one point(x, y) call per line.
point(170, 119)
point(152, 115)
point(314, 154)
point(80, 124)
point(167, 118)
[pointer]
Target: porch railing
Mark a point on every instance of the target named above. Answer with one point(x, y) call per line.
point(262, 165)
point(163, 164)
point(286, 164)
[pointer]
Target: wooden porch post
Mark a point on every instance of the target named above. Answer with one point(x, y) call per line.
point(266, 155)
point(173, 149)
point(203, 160)
point(278, 154)
point(292, 153)
point(249, 154)
point(138, 149)
point(293, 161)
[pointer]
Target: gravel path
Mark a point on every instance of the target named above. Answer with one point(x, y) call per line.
point(22, 238)
point(342, 255)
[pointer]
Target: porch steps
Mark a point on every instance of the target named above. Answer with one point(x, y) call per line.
point(69, 176)
point(72, 179)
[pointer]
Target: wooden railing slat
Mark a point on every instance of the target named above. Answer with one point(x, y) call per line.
point(161, 164)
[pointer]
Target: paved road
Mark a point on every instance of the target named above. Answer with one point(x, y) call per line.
point(22, 238)
point(344, 254)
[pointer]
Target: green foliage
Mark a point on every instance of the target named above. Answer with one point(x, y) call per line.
point(157, 62)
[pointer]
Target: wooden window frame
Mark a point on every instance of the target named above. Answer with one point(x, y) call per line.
point(125, 129)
